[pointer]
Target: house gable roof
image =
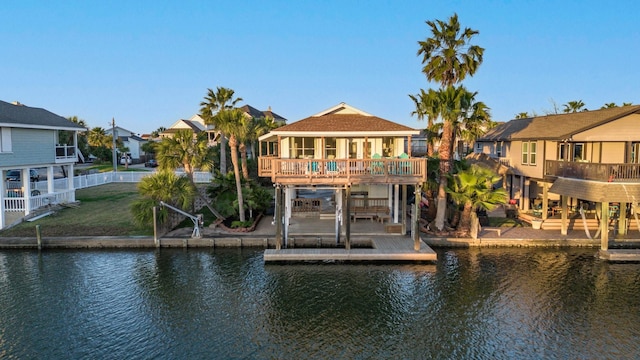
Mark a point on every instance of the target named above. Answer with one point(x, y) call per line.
point(556, 127)
point(22, 116)
point(181, 124)
point(344, 120)
point(253, 112)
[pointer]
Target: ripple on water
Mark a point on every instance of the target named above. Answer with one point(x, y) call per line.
point(475, 303)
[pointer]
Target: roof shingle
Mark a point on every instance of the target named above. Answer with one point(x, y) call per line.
point(556, 127)
point(18, 114)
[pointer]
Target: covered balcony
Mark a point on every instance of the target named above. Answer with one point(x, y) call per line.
point(593, 171)
point(65, 153)
point(399, 170)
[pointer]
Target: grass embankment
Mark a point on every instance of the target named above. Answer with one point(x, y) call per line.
point(103, 211)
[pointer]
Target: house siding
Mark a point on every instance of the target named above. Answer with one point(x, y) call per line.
point(613, 152)
point(624, 129)
point(30, 147)
point(534, 171)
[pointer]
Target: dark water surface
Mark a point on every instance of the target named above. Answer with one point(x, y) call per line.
point(226, 304)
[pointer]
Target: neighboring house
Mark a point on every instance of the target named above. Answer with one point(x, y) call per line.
point(580, 158)
point(130, 140)
point(197, 125)
point(359, 157)
point(29, 140)
point(253, 112)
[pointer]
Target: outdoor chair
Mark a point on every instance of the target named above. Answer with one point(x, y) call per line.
point(377, 167)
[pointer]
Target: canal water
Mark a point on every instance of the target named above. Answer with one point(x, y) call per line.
point(226, 304)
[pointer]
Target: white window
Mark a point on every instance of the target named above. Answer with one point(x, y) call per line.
point(532, 152)
point(5, 139)
point(525, 153)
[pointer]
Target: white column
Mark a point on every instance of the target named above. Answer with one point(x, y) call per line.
point(72, 195)
point(50, 180)
point(26, 190)
point(338, 196)
point(3, 192)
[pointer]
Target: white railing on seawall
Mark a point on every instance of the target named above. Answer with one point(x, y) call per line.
point(61, 194)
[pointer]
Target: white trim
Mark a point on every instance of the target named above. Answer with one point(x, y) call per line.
point(344, 106)
point(40, 127)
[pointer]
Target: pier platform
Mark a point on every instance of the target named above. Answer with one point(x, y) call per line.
point(390, 249)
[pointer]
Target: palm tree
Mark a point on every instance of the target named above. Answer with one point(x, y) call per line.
point(427, 106)
point(473, 189)
point(447, 56)
point(522, 115)
point(156, 133)
point(184, 150)
point(474, 121)
point(609, 105)
point(573, 106)
point(450, 101)
point(230, 122)
point(187, 151)
point(98, 137)
point(163, 186)
point(220, 100)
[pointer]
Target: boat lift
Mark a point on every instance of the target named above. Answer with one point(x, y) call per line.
point(197, 219)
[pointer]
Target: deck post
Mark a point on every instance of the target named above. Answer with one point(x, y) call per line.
point(404, 209)
point(346, 202)
point(278, 217)
point(563, 228)
point(545, 200)
point(415, 229)
point(604, 226)
point(396, 197)
point(338, 214)
point(622, 219)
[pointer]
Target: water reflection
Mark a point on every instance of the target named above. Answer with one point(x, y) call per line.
point(175, 303)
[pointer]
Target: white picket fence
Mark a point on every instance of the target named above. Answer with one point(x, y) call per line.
point(61, 193)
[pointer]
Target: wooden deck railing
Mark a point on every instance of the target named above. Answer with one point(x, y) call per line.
point(409, 171)
point(593, 171)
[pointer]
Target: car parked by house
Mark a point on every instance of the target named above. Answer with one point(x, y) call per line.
point(151, 163)
point(14, 175)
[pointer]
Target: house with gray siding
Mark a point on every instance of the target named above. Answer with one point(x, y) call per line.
point(30, 140)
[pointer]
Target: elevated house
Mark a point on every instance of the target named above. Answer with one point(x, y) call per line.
point(358, 157)
point(31, 144)
point(588, 160)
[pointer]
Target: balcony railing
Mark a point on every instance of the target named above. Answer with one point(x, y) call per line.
point(65, 152)
point(593, 171)
point(402, 171)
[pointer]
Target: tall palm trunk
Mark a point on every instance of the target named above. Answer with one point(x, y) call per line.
point(223, 154)
point(243, 158)
point(465, 217)
point(233, 145)
point(445, 166)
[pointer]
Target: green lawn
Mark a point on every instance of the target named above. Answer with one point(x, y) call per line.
point(103, 211)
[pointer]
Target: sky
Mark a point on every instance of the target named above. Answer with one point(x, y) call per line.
point(147, 64)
